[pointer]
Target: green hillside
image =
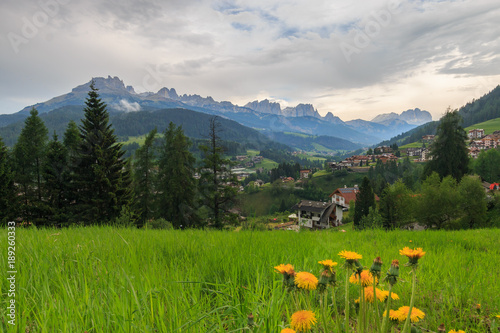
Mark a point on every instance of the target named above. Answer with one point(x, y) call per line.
point(489, 126)
point(478, 111)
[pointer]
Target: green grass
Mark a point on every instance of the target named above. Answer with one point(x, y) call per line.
point(489, 126)
point(321, 173)
point(322, 148)
point(302, 135)
point(266, 164)
point(412, 145)
point(311, 158)
point(102, 279)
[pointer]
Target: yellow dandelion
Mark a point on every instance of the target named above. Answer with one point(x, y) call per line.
point(416, 314)
point(328, 264)
point(303, 320)
point(498, 316)
point(306, 280)
point(393, 315)
point(288, 330)
point(285, 269)
point(459, 331)
point(385, 293)
point(413, 255)
point(369, 293)
point(350, 256)
point(366, 278)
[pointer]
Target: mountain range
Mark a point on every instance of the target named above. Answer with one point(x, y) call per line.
point(266, 116)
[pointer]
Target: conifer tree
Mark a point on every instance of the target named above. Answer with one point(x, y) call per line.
point(176, 182)
point(57, 179)
point(216, 181)
point(365, 199)
point(7, 191)
point(144, 178)
point(99, 169)
point(71, 139)
point(29, 153)
point(449, 150)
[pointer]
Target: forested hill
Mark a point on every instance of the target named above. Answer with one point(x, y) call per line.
point(485, 108)
point(194, 124)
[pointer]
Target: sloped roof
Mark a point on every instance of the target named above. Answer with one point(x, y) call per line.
point(312, 206)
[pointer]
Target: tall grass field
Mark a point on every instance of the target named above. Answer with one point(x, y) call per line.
point(103, 279)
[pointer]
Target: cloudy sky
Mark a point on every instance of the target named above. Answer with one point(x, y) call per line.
point(355, 59)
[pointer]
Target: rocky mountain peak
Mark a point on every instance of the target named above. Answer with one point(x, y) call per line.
point(264, 106)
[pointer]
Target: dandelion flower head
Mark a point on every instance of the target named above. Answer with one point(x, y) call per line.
point(328, 264)
point(303, 320)
point(306, 280)
point(288, 330)
point(416, 314)
point(350, 256)
point(413, 255)
point(285, 269)
point(366, 278)
point(459, 331)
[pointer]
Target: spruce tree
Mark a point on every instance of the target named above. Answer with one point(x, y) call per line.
point(144, 178)
point(7, 190)
point(217, 183)
point(176, 182)
point(449, 150)
point(100, 177)
point(365, 199)
point(57, 179)
point(29, 154)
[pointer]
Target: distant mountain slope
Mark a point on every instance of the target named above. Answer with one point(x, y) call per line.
point(389, 129)
point(264, 114)
point(310, 143)
point(483, 109)
point(414, 117)
point(195, 125)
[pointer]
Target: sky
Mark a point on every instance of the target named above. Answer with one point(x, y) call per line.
point(355, 59)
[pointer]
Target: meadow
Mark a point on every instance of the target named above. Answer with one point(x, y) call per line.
point(104, 279)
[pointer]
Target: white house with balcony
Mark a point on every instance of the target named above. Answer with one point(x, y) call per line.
point(314, 214)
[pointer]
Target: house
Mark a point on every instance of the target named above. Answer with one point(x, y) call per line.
point(428, 138)
point(414, 151)
point(476, 133)
point(305, 173)
point(341, 197)
point(426, 155)
point(315, 214)
point(382, 149)
point(241, 158)
point(288, 179)
point(258, 183)
point(257, 159)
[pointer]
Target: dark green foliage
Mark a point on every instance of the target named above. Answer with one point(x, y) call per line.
point(396, 206)
point(307, 143)
point(487, 165)
point(57, 179)
point(176, 183)
point(217, 183)
point(99, 170)
point(7, 191)
point(29, 155)
point(145, 173)
point(449, 151)
point(365, 199)
point(285, 156)
point(285, 170)
point(472, 203)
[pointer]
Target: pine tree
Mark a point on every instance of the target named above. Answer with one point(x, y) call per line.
point(176, 182)
point(71, 139)
point(449, 150)
point(29, 153)
point(57, 179)
point(216, 181)
point(365, 199)
point(144, 178)
point(99, 169)
point(7, 190)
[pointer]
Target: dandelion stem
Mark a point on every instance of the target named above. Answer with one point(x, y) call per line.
point(406, 328)
point(347, 302)
point(335, 311)
point(387, 310)
point(377, 318)
point(361, 320)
